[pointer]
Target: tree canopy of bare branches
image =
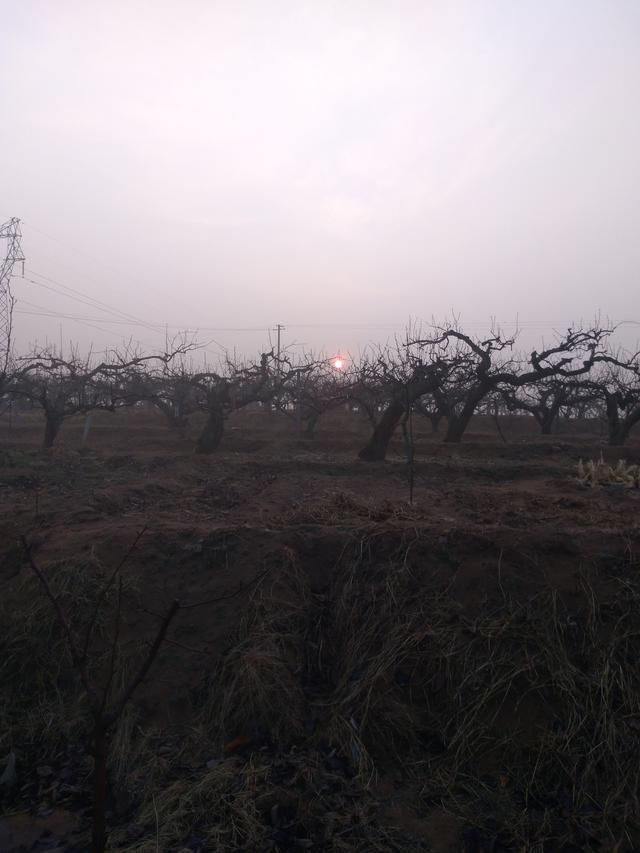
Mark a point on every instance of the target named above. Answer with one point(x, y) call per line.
point(482, 366)
point(63, 387)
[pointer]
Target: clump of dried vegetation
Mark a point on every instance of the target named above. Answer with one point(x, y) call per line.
point(523, 720)
point(259, 691)
point(600, 473)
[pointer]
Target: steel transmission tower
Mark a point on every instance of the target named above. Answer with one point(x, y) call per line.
point(12, 233)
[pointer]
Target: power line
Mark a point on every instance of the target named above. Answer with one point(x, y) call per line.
point(56, 315)
point(130, 319)
point(73, 320)
point(90, 300)
point(41, 311)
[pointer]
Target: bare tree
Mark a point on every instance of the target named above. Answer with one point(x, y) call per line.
point(482, 366)
point(64, 387)
point(106, 703)
point(367, 390)
point(105, 709)
point(406, 374)
point(543, 400)
point(317, 388)
point(234, 387)
point(618, 386)
point(174, 393)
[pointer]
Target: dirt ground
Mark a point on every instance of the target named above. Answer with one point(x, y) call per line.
point(455, 673)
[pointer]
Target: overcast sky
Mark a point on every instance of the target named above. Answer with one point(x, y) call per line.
point(241, 164)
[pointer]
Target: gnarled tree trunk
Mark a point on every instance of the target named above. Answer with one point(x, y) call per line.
point(312, 422)
point(458, 423)
point(547, 418)
point(619, 428)
point(546, 424)
point(213, 430)
point(52, 424)
point(375, 449)
point(435, 419)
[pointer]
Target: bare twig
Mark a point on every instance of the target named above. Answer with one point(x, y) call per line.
point(105, 589)
point(113, 715)
point(78, 659)
point(114, 648)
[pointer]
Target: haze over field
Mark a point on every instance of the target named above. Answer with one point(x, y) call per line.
point(332, 166)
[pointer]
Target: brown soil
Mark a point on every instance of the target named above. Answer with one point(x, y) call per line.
point(258, 701)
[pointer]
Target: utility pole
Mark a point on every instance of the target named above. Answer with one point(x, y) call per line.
point(279, 329)
point(12, 233)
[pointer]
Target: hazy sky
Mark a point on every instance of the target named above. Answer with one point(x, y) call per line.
point(242, 164)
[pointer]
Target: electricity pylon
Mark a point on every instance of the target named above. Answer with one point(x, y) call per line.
point(12, 233)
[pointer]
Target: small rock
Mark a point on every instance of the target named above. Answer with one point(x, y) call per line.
point(44, 770)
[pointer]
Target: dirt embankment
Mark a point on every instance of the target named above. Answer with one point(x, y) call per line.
point(460, 673)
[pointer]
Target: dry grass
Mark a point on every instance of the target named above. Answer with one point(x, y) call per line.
point(373, 642)
point(523, 721)
point(222, 800)
point(600, 473)
point(266, 801)
point(259, 691)
point(533, 707)
point(540, 724)
point(35, 668)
